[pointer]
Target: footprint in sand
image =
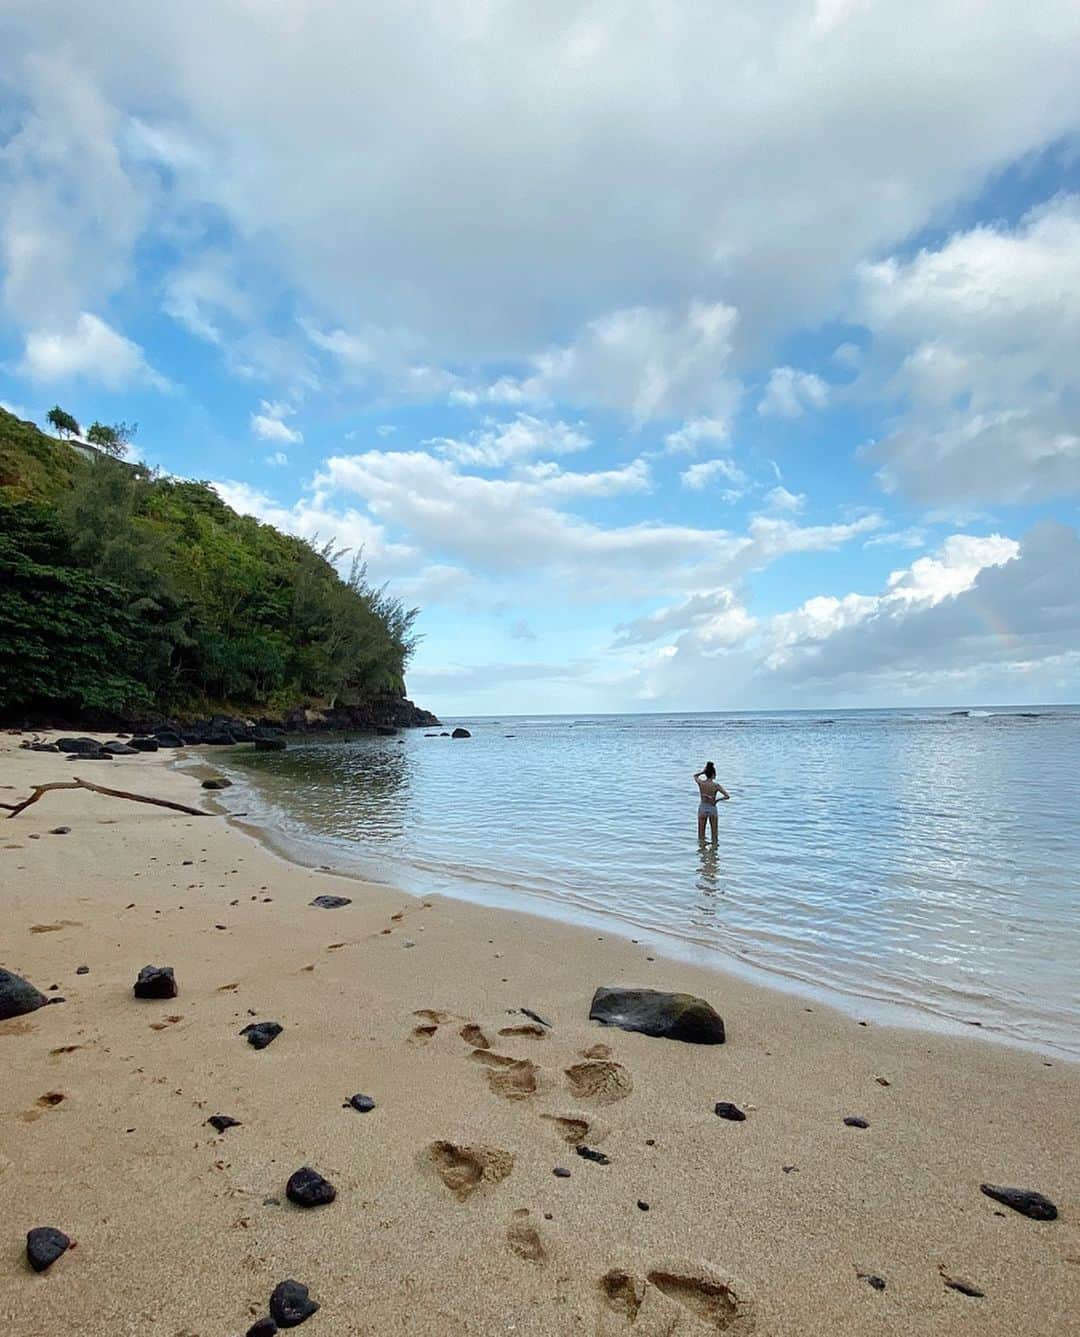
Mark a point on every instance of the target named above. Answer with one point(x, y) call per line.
point(525, 1241)
point(473, 1035)
point(578, 1128)
point(693, 1298)
point(512, 1078)
point(602, 1081)
point(528, 1031)
point(431, 1021)
point(596, 1051)
point(465, 1169)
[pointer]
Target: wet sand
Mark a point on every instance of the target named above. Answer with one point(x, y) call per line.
point(448, 1217)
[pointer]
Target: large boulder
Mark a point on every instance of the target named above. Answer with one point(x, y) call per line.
point(461, 733)
point(89, 745)
point(118, 749)
point(168, 738)
point(18, 996)
point(671, 1016)
point(269, 744)
point(145, 744)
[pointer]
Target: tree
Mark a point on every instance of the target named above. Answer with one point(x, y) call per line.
point(64, 423)
point(112, 440)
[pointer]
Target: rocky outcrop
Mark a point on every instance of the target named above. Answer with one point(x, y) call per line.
point(18, 996)
point(671, 1016)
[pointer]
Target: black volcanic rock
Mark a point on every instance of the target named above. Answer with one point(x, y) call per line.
point(44, 1245)
point(669, 1016)
point(269, 744)
point(145, 744)
point(725, 1110)
point(330, 902)
point(219, 782)
point(168, 738)
point(307, 1188)
point(261, 1033)
point(223, 1121)
point(156, 982)
point(18, 996)
point(262, 1327)
point(1023, 1200)
point(291, 1304)
point(461, 733)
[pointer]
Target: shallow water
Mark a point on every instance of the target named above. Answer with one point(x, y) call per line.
point(928, 859)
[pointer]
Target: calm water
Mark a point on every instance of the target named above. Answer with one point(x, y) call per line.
point(921, 858)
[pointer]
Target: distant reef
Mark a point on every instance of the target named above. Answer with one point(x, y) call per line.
point(132, 601)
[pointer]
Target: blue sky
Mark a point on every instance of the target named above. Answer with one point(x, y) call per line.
point(685, 357)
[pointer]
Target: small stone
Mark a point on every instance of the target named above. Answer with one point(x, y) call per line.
point(44, 1245)
point(883, 1081)
point(262, 1327)
point(1023, 1200)
point(261, 1033)
point(877, 1282)
point(853, 1121)
point(363, 1104)
point(156, 982)
point(588, 1154)
point(82, 970)
point(219, 783)
point(307, 1188)
point(330, 902)
point(561, 1172)
point(642, 1205)
point(964, 1287)
point(223, 1121)
point(291, 1304)
point(725, 1110)
point(60, 831)
point(408, 943)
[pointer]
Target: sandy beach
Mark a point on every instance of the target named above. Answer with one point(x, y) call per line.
point(449, 1218)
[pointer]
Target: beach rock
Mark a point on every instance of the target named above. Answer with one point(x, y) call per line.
point(853, 1121)
point(1023, 1200)
point(18, 996)
point(44, 1245)
point(588, 1154)
point(364, 1104)
point(168, 738)
point(145, 744)
point(726, 1110)
point(269, 744)
point(78, 745)
point(669, 1016)
point(561, 1172)
point(330, 902)
point(60, 831)
point(118, 749)
point(82, 970)
point(89, 756)
point(218, 783)
point(261, 1033)
point(461, 733)
point(223, 1121)
point(444, 734)
point(41, 747)
point(291, 1304)
point(156, 982)
point(307, 1188)
point(877, 1282)
point(262, 1327)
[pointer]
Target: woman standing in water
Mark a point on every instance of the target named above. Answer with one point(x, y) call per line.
point(708, 788)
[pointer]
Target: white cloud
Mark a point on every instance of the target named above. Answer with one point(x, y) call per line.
point(269, 425)
point(699, 476)
point(780, 499)
point(277, 460)
point(791, 393)
point(976, 340)
point(89, 349)
point(499, 444)
point(687, 438)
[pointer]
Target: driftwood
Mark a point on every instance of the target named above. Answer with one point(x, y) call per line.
point(16, 808)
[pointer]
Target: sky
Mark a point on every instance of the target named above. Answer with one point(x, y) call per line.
point(667, 355)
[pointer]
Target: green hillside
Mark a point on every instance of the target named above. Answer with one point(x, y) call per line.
point(123, 592)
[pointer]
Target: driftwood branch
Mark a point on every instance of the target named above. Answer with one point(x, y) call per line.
point(16, 808)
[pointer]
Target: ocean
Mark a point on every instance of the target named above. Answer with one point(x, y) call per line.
point(924, 863)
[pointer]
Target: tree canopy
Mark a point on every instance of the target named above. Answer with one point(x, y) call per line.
point(120, 590)
point(64, 423)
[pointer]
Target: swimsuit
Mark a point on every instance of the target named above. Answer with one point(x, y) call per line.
point(707, 809)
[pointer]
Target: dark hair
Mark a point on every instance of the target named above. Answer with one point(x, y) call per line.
point(710, 771)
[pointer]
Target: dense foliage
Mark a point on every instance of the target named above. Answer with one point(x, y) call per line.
point(122, 591)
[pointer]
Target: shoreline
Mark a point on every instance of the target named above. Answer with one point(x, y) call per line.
point(499, 897)
point(791, 1203)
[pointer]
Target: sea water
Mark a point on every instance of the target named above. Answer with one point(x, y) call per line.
point(924, 859)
